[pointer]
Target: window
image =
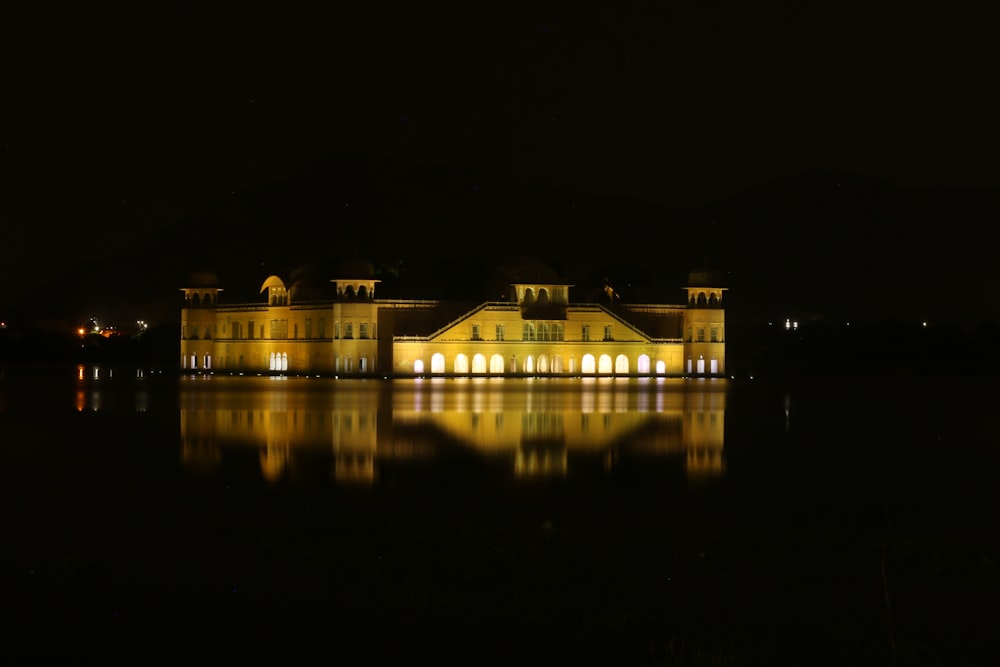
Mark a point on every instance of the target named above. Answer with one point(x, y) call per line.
point(363, 330)
point(250, 329)
point(337, 334)
point(309, 327)
point(543, 331)
point(500, 334)
point(279, 329)
point(701, 335)
point(557, 332)
point(475, 332)
point(585, 334)
point(322, 327)
point(349, 330)
point(607, 332)
point(529, 331)
point(715, 334)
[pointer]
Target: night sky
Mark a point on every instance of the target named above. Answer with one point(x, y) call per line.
point(842, 161)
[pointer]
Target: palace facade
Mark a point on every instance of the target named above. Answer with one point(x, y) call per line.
point(535, 329)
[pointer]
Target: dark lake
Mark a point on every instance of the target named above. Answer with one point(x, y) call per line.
point(216, 519)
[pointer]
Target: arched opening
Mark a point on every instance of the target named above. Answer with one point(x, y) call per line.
point(661, 367)
point(529, 364)
point(701, 365)
point(418, 366)
point(587, 364)
point(543, 364)
point(479, 363)
point(461, 363)
point(557, 364)
point(437, 363)
point(642, 364)
point(621, 364)
point(496, 364)
point(604, 364)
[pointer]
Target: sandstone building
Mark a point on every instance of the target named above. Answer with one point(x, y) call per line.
point(533, 329)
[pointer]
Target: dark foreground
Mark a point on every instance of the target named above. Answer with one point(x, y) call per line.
point(861, 531)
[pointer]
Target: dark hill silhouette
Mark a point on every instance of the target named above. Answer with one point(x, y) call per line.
point(818, 244)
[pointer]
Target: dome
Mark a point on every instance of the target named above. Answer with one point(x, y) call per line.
point(356, 268)
point(704, 278)
point(526, 269)
point(273, 281)
point(203, 279)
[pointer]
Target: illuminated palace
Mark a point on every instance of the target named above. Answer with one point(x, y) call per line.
point(533, 330)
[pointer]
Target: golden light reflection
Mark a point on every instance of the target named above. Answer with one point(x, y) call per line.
point(534, 428)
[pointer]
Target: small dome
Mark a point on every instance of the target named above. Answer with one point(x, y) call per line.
point(355, 268)
point(528, 269)
point(704, 278)
point(272, 281)
point(203, 279)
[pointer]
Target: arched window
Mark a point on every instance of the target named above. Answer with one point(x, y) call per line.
point(437, 363)
point(543, 364)
point(642, 364)
point(496, 364)
point(621, 364)
point(479, 363)
point(604, 365)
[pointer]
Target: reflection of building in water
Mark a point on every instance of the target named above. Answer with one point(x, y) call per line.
point(533, 329)
point(535, 428)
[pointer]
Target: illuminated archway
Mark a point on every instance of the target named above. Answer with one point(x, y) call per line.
point(701, 365)
point(587, 364)
point(418, 366)
point(557, 364)
point(529, 364)
point(604, 364)
point(621, 364)
point(661, 367)
point(479, 364)
point(437, 363)
point(496, 364)
point(543, 364)
point(642, 364)
point(461, 363)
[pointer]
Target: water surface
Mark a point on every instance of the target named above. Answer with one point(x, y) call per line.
point(471, 521)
